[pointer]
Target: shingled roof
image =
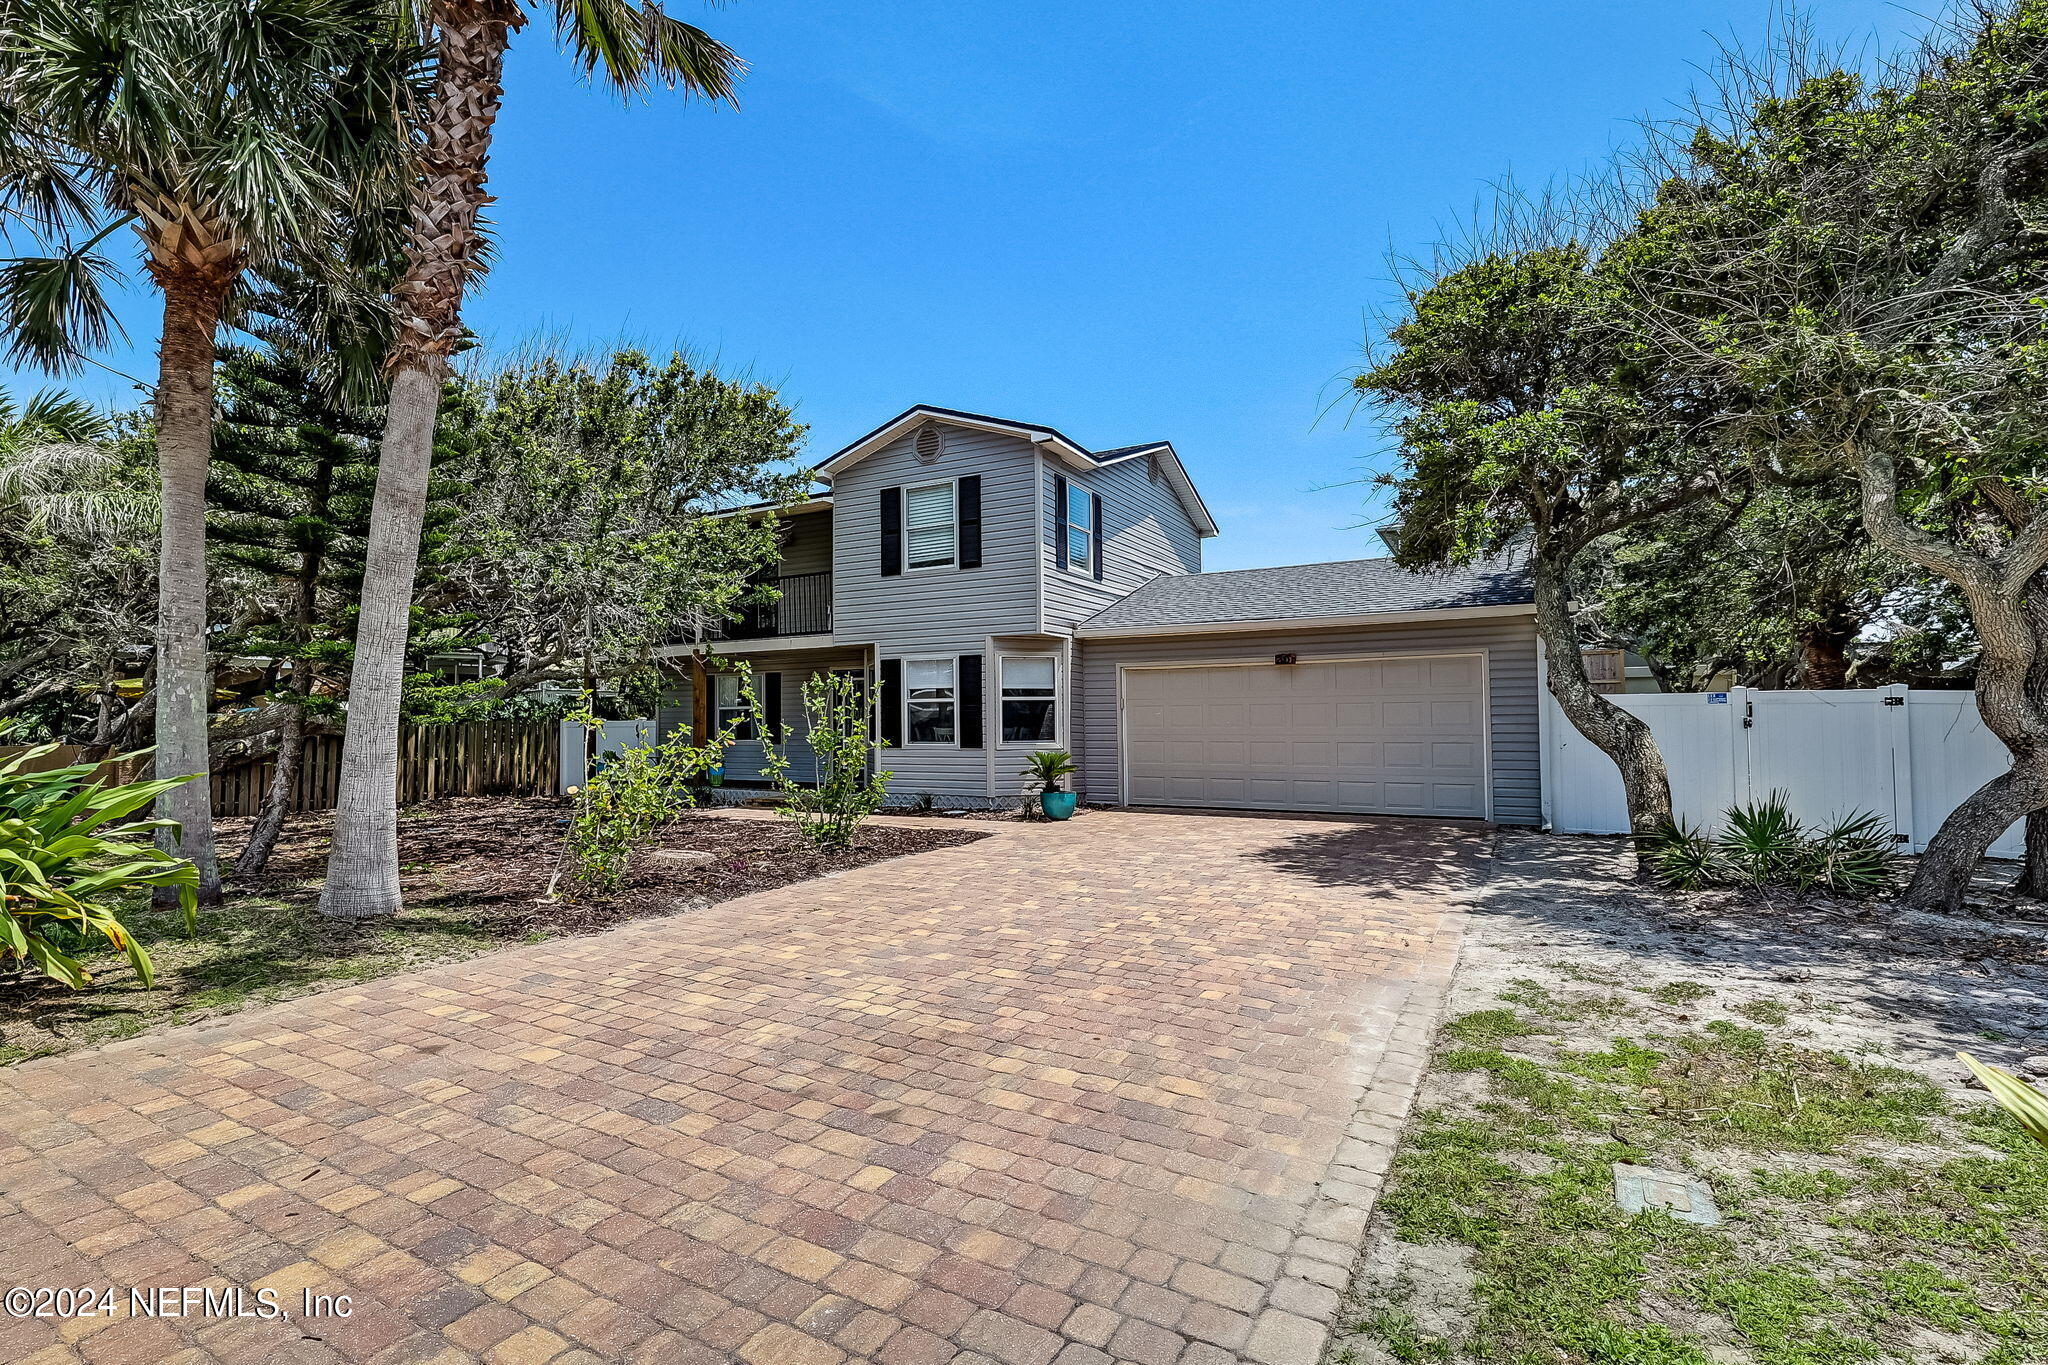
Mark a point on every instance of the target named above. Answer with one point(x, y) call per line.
point(1303, 592)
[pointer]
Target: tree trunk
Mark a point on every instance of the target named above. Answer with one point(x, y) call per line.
point(2034, 870)
point(1824, 658)
point(277, 797)
point(1618, 734)
point(184, 680)
point(2010, 619)
point(442, 247)
point(362, 869)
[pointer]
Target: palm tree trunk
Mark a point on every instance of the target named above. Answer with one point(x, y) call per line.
point(184, 679)
point(441, 256)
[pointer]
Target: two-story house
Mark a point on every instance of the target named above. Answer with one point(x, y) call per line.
point(1007, 589)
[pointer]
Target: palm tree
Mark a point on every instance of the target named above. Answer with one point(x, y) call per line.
point(225, 135)
point(632, 46)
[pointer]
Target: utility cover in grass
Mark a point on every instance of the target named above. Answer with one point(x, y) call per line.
point(1684, 1197)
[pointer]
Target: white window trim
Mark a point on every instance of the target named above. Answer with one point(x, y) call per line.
point(953, 490)
point(1084, 567)
point(1059, 697)
point(952, 663)
point(739, 703)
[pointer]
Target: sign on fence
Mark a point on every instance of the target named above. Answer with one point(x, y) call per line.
point(1909, 755)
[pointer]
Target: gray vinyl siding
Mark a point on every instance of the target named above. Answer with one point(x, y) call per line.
point(948, 612)
point(1146, 532)
point(1514, 745)
point(806, 544)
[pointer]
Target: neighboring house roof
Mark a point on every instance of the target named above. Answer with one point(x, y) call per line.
point(1310, 594)
point(1046, 438)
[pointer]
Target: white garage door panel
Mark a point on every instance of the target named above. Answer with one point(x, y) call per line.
point(1399, 736)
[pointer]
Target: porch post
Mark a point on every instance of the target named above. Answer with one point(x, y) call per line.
point(700, 701)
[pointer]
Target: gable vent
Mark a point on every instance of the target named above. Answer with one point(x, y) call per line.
point(929, 443)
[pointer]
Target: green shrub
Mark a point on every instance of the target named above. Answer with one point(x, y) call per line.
point(1763, 844)
point(839, 725)
point(631, 794)
point(68, 852)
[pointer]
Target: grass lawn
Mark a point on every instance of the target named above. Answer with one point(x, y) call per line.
point(474, 871)
point(1868, 1215)
point(251, 951)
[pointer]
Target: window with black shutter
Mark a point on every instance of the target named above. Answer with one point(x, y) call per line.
point(1059, 520)
point(1095, 508)
point(892, 531)
point(970, 701)
point(890, 704)
point(970, 522)
point(1080, 521)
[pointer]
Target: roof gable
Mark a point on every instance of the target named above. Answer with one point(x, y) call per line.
point(1048, 440)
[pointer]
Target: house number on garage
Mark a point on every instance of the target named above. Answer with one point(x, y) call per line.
point(1283, 658)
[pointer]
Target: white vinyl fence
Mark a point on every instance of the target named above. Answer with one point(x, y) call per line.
point(1910, 756)
point(612, 736)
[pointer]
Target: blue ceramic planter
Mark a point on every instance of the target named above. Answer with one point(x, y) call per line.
point(1058, 805)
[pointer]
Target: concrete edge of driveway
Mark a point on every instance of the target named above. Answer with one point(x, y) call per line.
point(1298, 1324)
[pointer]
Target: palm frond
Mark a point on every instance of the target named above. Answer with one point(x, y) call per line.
point(54, 308)
point(634, 46)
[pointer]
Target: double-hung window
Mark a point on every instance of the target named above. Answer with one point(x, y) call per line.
point(730, 706)
point(1080, 528)
point(930, 526)
point(930, 704)
point(1029, 697)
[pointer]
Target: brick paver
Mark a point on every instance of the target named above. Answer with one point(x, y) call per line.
point(1119, 1089)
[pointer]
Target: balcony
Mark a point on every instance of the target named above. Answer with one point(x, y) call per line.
point(805, 608)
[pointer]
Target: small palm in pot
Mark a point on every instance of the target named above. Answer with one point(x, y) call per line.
point(1047, 768)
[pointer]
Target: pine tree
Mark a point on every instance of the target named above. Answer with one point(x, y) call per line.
point(288, 503)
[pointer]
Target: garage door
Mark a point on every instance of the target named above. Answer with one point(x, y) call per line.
point(1395, 736)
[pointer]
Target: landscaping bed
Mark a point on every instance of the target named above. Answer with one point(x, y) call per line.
point(1796, 1056)
point(474, 872)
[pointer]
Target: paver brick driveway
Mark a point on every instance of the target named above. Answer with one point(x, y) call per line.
point(1087, 1092)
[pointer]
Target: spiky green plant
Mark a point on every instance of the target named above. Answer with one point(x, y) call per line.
point(1048, 767)
point(69, 853)
point(2021, 1100)
point(1681, 857)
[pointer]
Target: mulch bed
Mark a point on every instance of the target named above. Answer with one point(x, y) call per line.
point(495, 856)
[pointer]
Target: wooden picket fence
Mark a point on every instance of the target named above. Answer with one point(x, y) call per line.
point(488, 758)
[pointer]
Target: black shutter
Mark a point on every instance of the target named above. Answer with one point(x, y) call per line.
point(1059, 520)
point(890, 702)
point(892, 530)
point(771, 706)
point(1097, 509)
point(970, 522)
point(970, 701)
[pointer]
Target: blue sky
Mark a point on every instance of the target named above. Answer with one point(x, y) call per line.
point(1132, 221)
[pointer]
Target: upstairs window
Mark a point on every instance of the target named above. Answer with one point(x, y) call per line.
point(929, 525)
point(730, 706)
point(1028, 700)
point(1080, 528)
point(930, 705)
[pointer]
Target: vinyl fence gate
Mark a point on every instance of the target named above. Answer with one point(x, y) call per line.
point(1910, 755)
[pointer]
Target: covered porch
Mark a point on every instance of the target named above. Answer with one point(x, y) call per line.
point(708, 697)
